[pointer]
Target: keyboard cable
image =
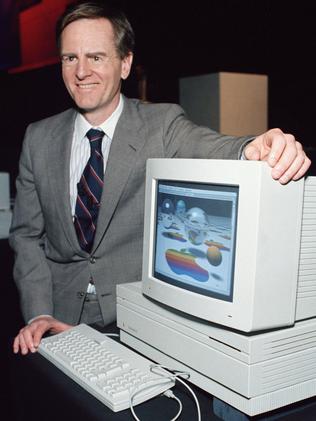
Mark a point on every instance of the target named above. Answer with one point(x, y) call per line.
point(169, 394)
point(174, 375)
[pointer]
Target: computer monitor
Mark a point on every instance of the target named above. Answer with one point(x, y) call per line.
point(226, 243)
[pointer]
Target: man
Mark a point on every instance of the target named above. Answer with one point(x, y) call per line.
point(64, 274)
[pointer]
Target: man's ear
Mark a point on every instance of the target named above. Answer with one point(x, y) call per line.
point(126, 66)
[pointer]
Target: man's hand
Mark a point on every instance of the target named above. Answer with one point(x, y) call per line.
point(282, 152)
point(30, 335)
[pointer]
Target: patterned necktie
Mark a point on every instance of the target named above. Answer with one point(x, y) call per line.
point(89, 192)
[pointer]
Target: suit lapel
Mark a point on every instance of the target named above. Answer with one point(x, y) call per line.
point(58, 163)
point(128, 139)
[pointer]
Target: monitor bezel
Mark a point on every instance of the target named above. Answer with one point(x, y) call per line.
point(262, 280)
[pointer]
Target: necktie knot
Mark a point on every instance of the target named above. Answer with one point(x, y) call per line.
point(95, 138)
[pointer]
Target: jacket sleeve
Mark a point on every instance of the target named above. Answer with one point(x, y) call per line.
point(27, 237)
point(184, 139)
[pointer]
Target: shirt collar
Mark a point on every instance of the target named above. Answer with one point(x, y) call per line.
point(108, 126)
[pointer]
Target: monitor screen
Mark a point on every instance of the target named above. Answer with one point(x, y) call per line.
point(196, 236)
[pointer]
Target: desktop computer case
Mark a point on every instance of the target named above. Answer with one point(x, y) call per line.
point(255, 373)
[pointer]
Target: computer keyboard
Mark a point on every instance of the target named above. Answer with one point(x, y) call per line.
point(104, 367)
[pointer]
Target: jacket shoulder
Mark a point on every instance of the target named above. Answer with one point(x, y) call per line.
point(156, 111)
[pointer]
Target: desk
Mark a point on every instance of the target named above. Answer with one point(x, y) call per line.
point(41, 392)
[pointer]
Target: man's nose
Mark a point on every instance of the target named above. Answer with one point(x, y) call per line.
point(83, 68)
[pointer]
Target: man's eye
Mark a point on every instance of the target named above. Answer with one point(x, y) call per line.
point(68, 59)
point(96, 58)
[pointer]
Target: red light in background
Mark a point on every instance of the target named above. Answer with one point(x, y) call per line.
point(37, 34)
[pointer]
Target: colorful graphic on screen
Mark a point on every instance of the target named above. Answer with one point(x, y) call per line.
point(195, 236)
point(183, 263)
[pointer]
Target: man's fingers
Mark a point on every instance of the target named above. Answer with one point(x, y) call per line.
point(252, 152)
point(278, 145)
point(26, 340)
point(282, 152)
point(284, 164)
point(40, 326)
point(29, 337)
point(16, 345)
point(288, 174)
point(19, 344)
point(290, 162)
point(38, 334)
point(22, 344)
point(303, 169)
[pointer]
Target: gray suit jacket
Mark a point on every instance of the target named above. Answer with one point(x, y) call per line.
point(51, 271)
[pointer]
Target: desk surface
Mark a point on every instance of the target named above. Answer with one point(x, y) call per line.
point(40, 391)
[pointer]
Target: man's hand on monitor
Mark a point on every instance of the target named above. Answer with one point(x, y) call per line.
point(29, 337)
point(282, 152)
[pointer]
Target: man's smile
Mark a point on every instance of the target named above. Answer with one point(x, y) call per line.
point(86, 85)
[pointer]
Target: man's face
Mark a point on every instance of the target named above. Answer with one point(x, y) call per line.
point(91, 67)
